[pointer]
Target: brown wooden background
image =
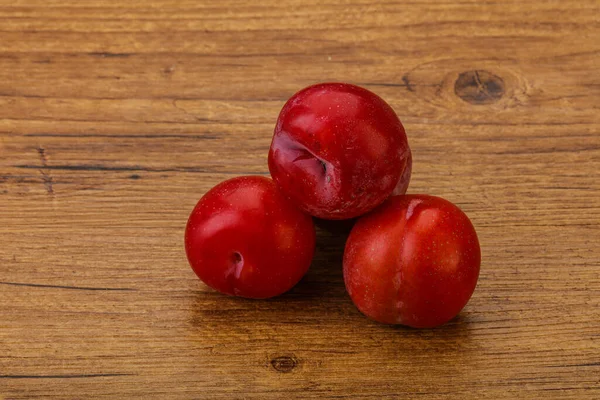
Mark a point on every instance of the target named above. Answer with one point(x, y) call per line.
point(115, 117)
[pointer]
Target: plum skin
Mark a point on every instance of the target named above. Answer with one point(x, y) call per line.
point(413, 261)
point(244, 238)
point(338, 151)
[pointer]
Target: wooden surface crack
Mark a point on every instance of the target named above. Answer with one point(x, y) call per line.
point(65, 376)
point(46, 177)
point(37, 285)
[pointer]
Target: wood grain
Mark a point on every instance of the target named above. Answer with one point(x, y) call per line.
point(115, 117)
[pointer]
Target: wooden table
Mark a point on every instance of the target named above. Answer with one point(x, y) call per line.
point(115, 117)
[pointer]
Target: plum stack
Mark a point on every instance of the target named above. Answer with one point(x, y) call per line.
point(338, 152)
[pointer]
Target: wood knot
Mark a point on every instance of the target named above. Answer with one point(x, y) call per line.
point(479, 87)
point(168, 71)
point(284, 364)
